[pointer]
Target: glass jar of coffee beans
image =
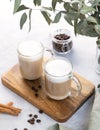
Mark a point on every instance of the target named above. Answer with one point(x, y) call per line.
point(62, 41)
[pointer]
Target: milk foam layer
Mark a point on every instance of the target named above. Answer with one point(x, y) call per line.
point(58, 70)
point(30, 50)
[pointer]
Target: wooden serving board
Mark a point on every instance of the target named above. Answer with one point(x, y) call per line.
point(30, 91)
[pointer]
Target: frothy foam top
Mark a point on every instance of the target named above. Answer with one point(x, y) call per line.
point(30, 48)
point(58, 70)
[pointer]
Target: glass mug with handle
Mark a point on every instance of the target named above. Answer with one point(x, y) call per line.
point(30, 55)
point(58, 77)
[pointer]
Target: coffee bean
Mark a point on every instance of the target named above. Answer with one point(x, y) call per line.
point(40, 111)
point(35, 116)
point(36, 95)
point(62, 37)
point(25, 129)
point(33, 88)
point(28, 121)
point(39, 86)
point(31, 121)
point(38, 120)
point(36, 90)
point(30, 115)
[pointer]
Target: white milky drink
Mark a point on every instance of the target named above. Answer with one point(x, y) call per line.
point(30, 56)
point(58, 73)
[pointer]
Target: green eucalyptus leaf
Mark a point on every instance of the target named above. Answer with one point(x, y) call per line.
point(58, 127)
point(66, 17)
point(30, 12)
point(22, 7)
point(80, 26)
point(86, 9)
point(88, 31)
point(23, 20)
point(16, 5)
point(91, 19)
point(75, 5)
point(62, 127)
point(84, 29)
point(54, 2)
point(47, 8)
point(57, 17)
point(97, 29)
point(60, 1)
point(95, 2)
point(54, 127)
point(75, 26)
point(46, 16)
point(37, 2)
point(97, 16)
point(98, 42)
point(67, 6)
point(73, 15)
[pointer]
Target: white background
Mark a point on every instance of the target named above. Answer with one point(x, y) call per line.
point(82, 56)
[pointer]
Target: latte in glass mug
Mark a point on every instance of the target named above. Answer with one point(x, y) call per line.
point(30, 55)
point(58, 76)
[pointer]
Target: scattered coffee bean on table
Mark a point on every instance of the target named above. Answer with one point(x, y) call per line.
point(35, 116)
point(31, 121)
point(25, 129)
point(40, 111)
point(30, 115)
point(38, 120)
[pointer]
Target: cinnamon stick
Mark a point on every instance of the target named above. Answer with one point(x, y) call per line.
point(9, 103)
point(9, 109)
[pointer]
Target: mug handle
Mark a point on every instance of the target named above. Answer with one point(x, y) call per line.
point(46, 58)
point(49, 50)
point(78, 85)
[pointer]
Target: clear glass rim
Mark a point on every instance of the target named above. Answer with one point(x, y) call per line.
point(31, 55)
point(62, 58)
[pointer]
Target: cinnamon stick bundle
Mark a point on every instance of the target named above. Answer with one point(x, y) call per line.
point(9, 109)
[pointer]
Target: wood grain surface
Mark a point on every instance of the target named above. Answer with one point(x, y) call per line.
point(33, 93)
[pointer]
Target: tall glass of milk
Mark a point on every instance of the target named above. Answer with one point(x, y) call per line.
point(30, 55)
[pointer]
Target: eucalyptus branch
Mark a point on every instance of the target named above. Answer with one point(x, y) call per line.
point(83, 17)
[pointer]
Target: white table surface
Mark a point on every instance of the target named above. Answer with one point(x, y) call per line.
point(82, 57)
